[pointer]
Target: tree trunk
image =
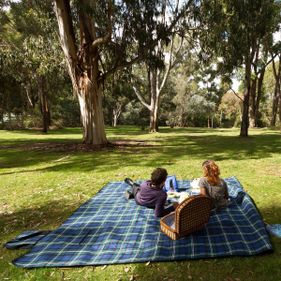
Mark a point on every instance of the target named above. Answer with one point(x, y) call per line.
point(276, 97)
point(254, 81)
point(44, 108)
point(154, 94)
point(221, 116)
point(252, 109)
point(116, 113)
point(245, 112)
point(10, 127)
point(90, 102)
point(1, 120)
point(259, 93)
point(153, 127)
point(83, 69)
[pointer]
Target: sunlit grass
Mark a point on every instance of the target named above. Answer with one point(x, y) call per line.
point(40, 188)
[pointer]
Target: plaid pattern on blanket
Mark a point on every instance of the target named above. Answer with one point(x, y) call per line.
point(108, 229)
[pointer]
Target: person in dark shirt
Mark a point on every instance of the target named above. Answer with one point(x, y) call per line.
point(151, 194)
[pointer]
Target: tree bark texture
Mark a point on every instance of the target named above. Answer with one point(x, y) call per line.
point(276, 101)
point(154, 100)
point(245, 111)
point(44, 108)
point(252, 109)
point(83, 69)
point(258, 99)
point(116, 113)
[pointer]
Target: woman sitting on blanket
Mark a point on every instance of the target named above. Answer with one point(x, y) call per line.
point(212, 185)
point(151, 194)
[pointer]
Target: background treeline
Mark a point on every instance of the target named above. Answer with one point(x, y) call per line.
point(182, 74)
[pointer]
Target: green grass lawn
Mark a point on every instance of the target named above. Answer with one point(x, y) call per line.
point(42, 183)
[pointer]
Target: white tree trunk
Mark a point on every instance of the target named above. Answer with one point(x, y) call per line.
point(116, 113)
point(154, 101)
point(83, 70)
point(90, 102)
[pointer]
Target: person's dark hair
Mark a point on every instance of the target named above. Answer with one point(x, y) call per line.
point(158, 176)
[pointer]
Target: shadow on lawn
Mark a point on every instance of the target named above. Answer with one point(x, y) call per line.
point(33, 132)
point(164, 151)
point(37, 217)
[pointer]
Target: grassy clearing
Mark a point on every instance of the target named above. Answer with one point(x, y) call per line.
point(41, 187)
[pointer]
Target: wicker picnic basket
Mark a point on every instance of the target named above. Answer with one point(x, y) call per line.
point(191, 215)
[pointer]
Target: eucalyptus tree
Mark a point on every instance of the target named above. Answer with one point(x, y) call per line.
point(172, 17)
point(89, 30)
point(30, 50)
point(234, 31)
point(118, 93)
point(121, 32)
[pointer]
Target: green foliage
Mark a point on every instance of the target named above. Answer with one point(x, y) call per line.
point(232, 27)
point(230, 110)
point(135, 114)
point(268, 89)
point(199, 91)
point(30, 54)
point(117, 94)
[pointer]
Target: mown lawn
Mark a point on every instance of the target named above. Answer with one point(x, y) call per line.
point(44, 178)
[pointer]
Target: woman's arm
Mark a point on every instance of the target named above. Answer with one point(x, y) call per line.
point(226, 195)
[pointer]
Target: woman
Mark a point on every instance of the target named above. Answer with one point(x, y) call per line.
point(212, 185)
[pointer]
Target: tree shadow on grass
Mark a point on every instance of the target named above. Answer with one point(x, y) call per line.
point(65, 131)
point(37, 217)
point(167, 151)
point(224, 147)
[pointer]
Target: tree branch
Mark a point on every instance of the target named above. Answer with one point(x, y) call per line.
point(168, 68)
point(120, 66)
point(170, 58)
point(107, 37)
point(272, 59)
point(236, 94)
point(141, 99)
point(66, 30)
point(67, 37)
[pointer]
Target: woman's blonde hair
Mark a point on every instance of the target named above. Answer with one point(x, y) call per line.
point(211, 171)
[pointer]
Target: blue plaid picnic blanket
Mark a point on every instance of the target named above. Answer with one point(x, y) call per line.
point(108, 229)
point(26, 239)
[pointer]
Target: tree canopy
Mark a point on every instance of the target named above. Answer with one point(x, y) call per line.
point(97, 63)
